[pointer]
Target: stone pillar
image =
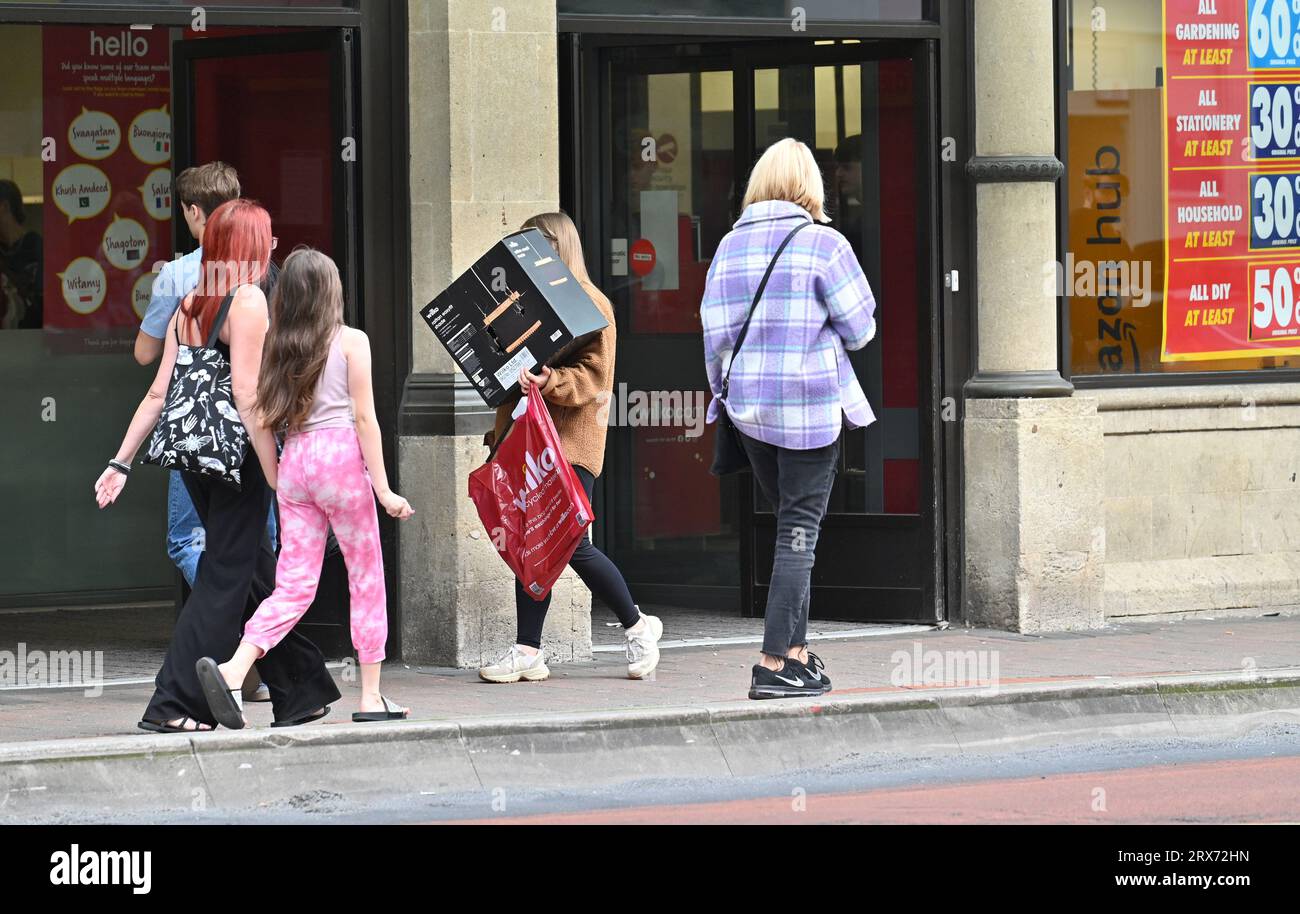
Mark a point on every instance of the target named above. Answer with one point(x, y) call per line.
point(1034, 515)
point(484, 140)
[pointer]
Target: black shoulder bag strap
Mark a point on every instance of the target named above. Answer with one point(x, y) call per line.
point(744, 330)
point(221, 318)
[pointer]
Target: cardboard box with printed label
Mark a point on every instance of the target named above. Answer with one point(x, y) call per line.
point(517, 307)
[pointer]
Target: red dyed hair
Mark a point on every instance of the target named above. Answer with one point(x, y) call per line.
point(236, 251)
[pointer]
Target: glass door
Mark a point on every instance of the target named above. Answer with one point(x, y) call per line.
point(277, 106)
point(668, 178)
point(679, 127)
point(865, 111)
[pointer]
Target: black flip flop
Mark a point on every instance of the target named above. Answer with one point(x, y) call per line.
point(392, 711)
point(154, 727)
point(297, 722)
point(226, 704)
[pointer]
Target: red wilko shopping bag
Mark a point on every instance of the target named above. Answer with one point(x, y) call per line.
point(530, 500)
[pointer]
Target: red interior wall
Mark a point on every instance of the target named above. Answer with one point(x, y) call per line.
point(899, 296)
point(268, 115)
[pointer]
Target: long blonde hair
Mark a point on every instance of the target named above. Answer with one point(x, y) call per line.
point(787, 171)
point(563, 236)
point(306, 311)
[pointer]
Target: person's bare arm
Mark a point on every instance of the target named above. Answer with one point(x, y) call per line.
point(356, 347)
point(110, 483)
point(248, 323)
point(147, 348)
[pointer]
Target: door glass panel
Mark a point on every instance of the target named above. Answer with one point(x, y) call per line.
point(269, 116)
point(859, 120)
point(670, 523)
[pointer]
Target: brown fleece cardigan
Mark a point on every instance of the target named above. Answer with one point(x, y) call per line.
point(578, 394)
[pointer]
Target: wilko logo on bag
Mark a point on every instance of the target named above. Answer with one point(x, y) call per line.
point(535, 470)
point(530, 499)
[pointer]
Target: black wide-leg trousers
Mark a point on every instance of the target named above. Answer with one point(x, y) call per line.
point(236, 573)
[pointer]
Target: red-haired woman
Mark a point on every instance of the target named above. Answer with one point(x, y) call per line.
point(237, 571)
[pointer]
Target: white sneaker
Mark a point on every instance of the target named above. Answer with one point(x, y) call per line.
point(515, 665)
point(643, 648)
point(261, 693)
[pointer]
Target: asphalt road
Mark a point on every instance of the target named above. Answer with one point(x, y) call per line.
point(1222, 792)
point(1253, 779)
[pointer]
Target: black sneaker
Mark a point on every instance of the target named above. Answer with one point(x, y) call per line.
point(815, 669)
point(792, 681)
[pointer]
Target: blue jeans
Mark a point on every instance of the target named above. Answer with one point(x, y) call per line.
point(185, 536)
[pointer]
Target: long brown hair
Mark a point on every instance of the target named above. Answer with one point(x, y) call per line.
point(306, 311)
point(563, 236)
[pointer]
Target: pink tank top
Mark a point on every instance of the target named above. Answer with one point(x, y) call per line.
point(332, 405)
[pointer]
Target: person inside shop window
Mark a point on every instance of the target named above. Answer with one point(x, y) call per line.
point(846, 185)
point(21, 253)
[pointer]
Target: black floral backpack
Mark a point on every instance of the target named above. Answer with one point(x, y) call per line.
point(200, 429)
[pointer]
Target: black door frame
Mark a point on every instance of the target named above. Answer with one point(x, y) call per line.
point(327, 620)
point(835, 546)
point(585, 180)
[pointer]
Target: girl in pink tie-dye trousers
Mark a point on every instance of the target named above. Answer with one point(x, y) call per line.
point(315, 386)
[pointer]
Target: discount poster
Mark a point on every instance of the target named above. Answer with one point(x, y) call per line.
point(107, 172)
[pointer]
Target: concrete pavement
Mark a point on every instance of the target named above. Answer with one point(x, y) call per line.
point(65, 754)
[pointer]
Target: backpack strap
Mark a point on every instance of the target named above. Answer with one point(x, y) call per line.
point(744, 330)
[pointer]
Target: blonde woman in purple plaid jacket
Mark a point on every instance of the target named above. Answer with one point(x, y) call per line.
point(792, 389)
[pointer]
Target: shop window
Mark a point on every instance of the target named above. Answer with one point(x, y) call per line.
point(1160, 119)
point(85, 212)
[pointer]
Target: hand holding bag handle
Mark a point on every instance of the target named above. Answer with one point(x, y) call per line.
point(728, 453)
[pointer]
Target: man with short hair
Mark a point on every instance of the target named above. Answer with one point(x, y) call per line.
point(199, 191)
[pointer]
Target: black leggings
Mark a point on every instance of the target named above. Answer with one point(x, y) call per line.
point(600, 575)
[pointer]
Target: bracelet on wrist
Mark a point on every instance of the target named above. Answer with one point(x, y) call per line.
point(121, 467)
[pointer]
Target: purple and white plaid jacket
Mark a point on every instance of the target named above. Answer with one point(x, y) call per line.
point(792, 380)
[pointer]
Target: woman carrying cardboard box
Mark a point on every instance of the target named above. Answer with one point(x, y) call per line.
point(577, 393)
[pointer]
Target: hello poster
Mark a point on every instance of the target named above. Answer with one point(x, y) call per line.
point(108, 152)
